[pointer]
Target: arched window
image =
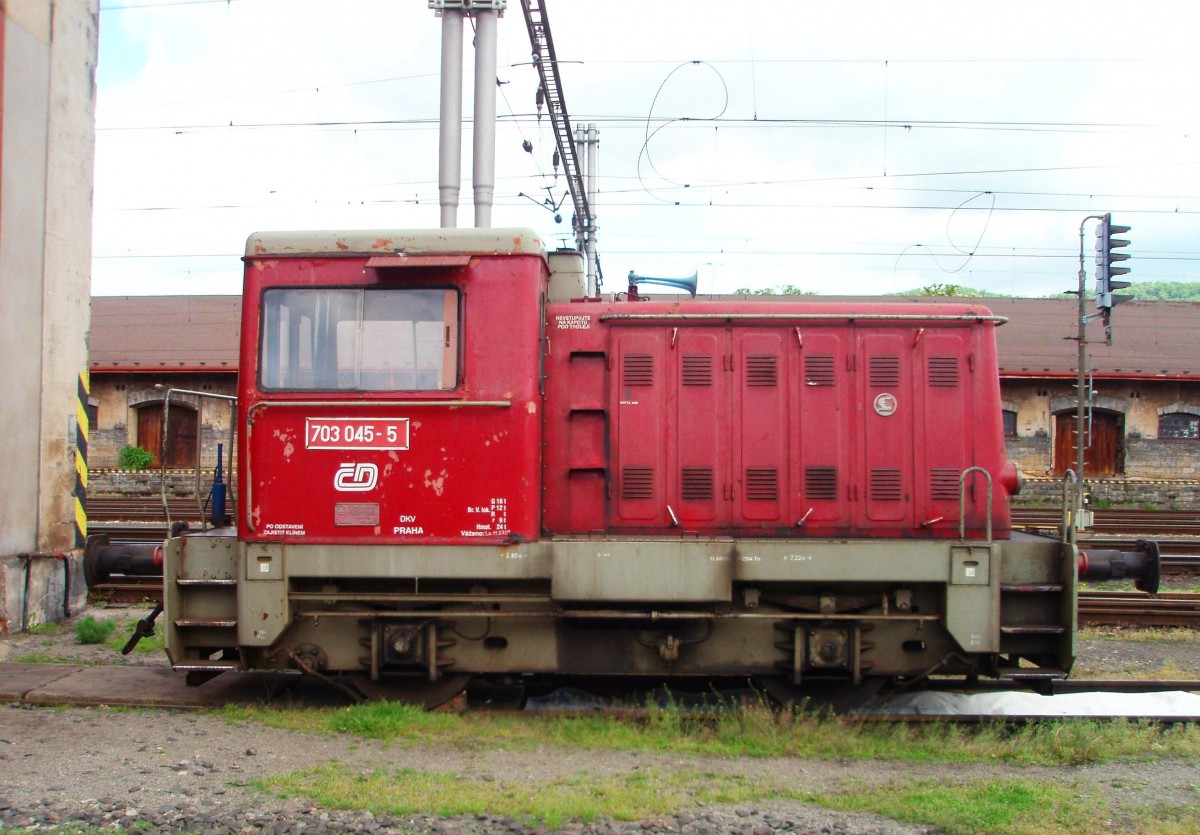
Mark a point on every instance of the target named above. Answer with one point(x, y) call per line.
point(1180, 426)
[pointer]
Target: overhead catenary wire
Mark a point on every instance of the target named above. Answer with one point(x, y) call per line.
point(847, 191)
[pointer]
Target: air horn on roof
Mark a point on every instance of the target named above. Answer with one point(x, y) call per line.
point(687, 283)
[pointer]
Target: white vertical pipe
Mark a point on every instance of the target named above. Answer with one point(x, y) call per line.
point(593, 146)
point(450, 135)
point(485, 117)
point(581, 223)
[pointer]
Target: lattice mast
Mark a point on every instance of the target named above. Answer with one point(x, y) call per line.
point(569, 143)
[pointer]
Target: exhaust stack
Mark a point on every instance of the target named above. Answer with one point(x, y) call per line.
point(485, 14)
point(450, 132)
point(484, 138)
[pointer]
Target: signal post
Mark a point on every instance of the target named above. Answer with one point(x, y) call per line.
point(1107, 261)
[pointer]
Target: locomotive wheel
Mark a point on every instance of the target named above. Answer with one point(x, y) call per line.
point(412, 690)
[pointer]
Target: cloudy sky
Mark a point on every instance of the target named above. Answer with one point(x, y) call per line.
point(858, 146)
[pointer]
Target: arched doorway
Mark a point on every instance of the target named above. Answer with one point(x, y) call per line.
point(181, 434)
point(1105, 451)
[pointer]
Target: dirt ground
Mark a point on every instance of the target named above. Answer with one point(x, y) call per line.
point(166, 762)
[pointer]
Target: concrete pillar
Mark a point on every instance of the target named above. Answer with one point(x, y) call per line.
point(47, 137)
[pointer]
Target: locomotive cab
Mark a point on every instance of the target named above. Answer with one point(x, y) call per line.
point(451, 463)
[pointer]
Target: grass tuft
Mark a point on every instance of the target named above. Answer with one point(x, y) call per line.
point(122, 632)
point(36, 658)
point(91, 631)
point(48, 629)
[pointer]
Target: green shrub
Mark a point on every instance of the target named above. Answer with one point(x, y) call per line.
point(134, 458)
point(92, 631)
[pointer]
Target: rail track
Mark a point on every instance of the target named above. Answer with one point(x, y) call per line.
point(159, 687)
point(1132, 608)
point(1143, 523)
point(141, 518)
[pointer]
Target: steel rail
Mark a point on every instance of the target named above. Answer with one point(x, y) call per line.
point(131, 686)
point(1108, 608)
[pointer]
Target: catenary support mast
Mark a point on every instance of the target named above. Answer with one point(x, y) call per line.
point(546, 62)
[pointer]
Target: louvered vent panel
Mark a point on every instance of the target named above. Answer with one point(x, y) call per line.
point(697, 483)
point(885, 485)
point(943, 372)
point(697, 370)
point(762, 483)
point(885, 372)
point(818, 370)
point(639, 370)
point(761, 370)
point(637, 483)
point(943, 484)
point(820, 483)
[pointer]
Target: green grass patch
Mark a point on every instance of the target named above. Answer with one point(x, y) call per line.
point(1162, 820)
point(629, 796)
point(48, 629)
point(1144, 635)
point(752, 731)
point(1005, 807)
point(91, 631)
point(1011, 807)
point(990, 807)
point(37, 658)
point(1165, 671)
point(123, 631)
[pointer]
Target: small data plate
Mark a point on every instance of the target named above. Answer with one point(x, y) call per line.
point(356, 514)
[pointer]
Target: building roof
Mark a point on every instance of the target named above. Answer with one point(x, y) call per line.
point(1150, 339)
point(165, 333)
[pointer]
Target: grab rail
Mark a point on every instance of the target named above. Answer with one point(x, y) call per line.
point(962, 501)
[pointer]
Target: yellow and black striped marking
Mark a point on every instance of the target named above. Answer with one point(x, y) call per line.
point(81, 469)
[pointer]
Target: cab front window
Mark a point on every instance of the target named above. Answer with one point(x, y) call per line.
point(345, 339)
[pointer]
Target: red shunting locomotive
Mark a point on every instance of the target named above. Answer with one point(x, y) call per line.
point(452, 463)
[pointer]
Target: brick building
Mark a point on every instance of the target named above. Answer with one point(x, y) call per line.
point(141, 347)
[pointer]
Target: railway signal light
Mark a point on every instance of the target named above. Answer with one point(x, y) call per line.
point(1107, 260)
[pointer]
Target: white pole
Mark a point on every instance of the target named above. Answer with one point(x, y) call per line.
point(593, 146)
point(485, 117)
point(450, 136)
point(581, 223)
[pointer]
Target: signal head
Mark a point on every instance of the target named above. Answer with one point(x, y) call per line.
point(1107, 259)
